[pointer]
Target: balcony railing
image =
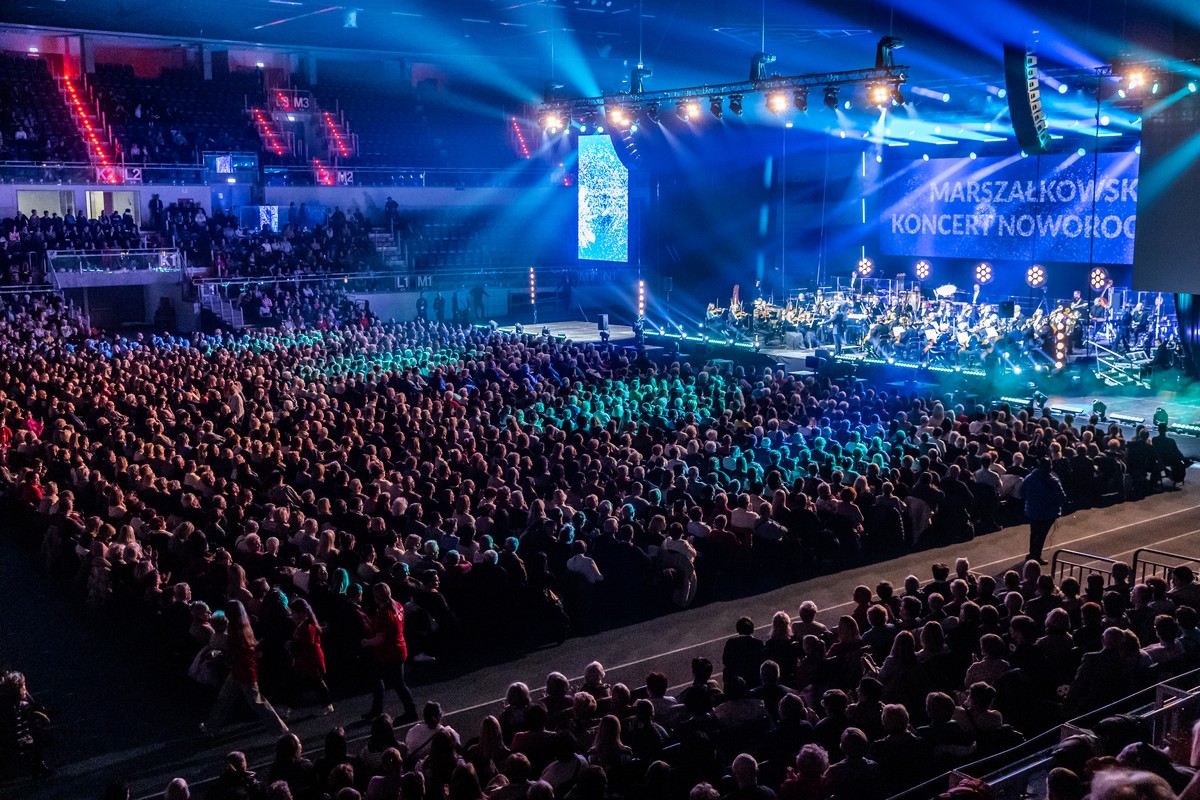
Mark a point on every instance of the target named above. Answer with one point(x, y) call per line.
point(65, 174)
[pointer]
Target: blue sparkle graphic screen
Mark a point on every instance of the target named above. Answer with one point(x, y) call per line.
point(603, 201)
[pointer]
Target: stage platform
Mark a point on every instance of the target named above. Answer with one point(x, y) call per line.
point(582, 332)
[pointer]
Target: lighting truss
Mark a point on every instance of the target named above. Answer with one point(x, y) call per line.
point(573, 107)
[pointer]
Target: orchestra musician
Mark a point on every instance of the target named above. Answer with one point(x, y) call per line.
point(955, 329)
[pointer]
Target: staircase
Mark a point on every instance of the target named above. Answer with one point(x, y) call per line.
point(211, 299)
point(92, 128)
point(1121, 369)
point(272, 140)
point(342, 143)
point(390, 254)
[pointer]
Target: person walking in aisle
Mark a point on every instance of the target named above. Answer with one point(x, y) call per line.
point(391, 651)
point(1044, 497)
point(242, 657)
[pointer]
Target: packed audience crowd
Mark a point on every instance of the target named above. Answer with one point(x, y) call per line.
point(262, 498)
point(308, 244)
point(910, 684)
point(26, 238)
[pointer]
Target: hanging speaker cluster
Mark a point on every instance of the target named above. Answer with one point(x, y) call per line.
point(1025, 99)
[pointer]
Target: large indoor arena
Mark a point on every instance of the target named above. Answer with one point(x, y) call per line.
point(599, 400)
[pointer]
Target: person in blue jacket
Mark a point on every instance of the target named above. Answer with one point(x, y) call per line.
point(1044, 497)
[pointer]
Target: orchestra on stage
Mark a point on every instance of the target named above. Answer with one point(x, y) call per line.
point(951, 328)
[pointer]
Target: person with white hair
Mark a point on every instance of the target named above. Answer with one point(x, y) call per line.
point(1122, 784)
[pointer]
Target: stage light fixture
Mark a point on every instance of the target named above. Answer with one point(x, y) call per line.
point(641, 299)
point(1040, 399)
point(1098, 279)
point(897, 95)
point(1100, 410)
point(865, 266)
point(1160, 417)
point(1192, 86)
point(716, 107)
point(1035, 276)
point(681, 111)
point(546, 331)
point(551, 122)
point(735, 104)
point(923, 270)
point(984, 273)
point(777, 102)
point(800, 100)
point(1136, 79)
point(879, 94)
point(519, 328)
point(652, 114)
point(831, 97)
point(693, 109)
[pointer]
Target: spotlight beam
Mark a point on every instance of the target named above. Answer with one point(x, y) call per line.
point(572, 107)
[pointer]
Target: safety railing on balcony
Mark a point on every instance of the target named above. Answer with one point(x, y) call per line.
point(83, 173)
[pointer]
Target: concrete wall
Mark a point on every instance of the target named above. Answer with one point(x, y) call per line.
point(371, 199)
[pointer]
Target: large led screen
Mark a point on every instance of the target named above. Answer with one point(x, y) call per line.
point(1054, 208)
point(603, 201)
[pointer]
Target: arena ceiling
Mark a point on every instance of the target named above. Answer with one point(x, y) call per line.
point(594, 41)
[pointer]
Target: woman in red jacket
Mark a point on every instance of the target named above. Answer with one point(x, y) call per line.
point(308, 656)
point(390, 653)
point(241, 654)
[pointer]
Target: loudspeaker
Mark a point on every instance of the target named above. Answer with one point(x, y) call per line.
point(1025, 99)
point(824, 354)
point(602, 322)
point(668, 284)
point(1007, 309)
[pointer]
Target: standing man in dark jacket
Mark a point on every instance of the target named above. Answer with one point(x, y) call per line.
point(1044, 498)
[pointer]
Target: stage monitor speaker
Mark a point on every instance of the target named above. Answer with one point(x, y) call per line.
point(1007, 309)
point(814, 363)
point(827, 355)
point(602, 323)
point(1025, 99)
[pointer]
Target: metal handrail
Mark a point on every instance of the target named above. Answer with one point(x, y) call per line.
point(1034, 750)
point(1123, 356)
point(1082, 567)
point(230, 280)
point(1140, 561)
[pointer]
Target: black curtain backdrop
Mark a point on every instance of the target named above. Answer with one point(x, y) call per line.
point(1187, 313)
